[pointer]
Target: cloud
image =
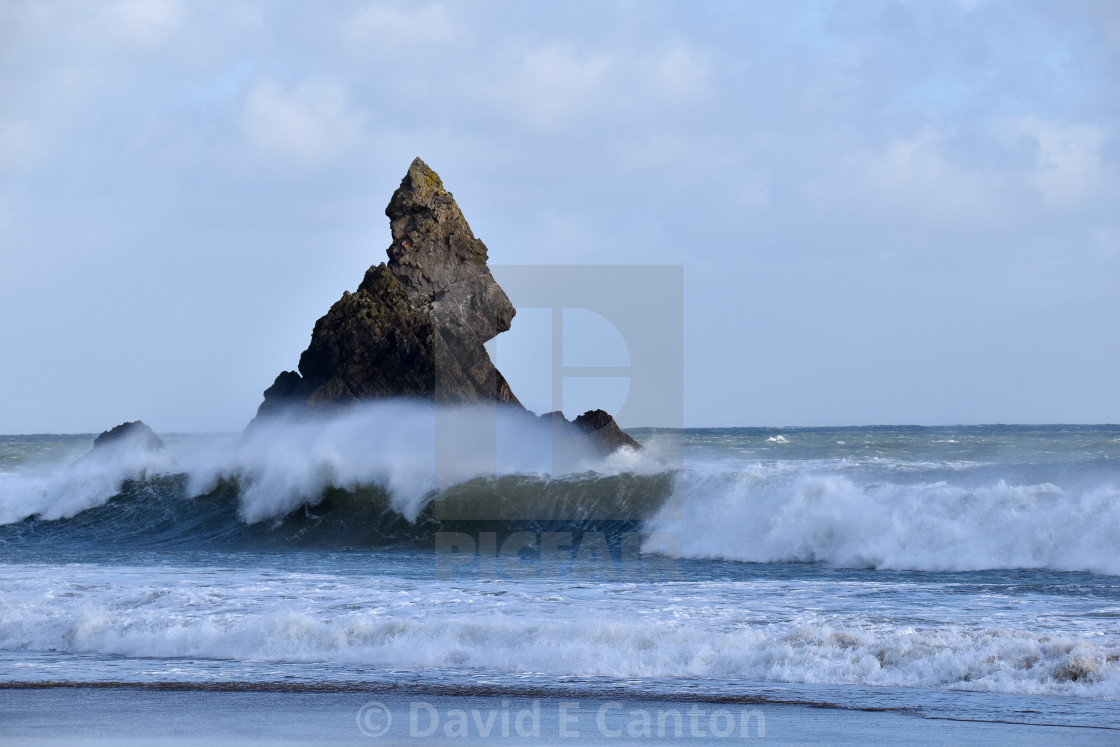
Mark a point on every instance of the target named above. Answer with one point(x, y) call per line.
point(742, 140)
point(149, 22)
point(312, 123)
point(554, 84)
point(922, 176)
point(680, 71)
point(377, 27)
point(1067, 164)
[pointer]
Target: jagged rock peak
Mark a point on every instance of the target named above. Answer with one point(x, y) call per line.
point(417, 325)
point(439, 262)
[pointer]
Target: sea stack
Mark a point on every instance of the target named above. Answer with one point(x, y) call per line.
point(417, 324)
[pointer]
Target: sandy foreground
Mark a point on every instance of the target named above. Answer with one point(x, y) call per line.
point(103, 716)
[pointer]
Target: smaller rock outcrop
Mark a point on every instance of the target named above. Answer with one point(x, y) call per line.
point(602, 428)
point(136, 433)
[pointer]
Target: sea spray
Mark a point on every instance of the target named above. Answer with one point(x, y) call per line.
point(409, 449)
point(904, 499)
point(58, 491)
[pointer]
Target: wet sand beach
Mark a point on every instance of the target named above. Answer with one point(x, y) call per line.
point(104, 716)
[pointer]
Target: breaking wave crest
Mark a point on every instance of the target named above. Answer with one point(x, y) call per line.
point(543, 629)
point(387, 471)
point(765, 516)
point(401, 471)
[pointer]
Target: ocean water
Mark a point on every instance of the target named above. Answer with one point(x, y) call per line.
point(958, 572)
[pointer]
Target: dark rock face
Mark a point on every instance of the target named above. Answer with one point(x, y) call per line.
point(137, 432)
point(417, 324)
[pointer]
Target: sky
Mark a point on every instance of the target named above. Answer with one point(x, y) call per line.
point(885, 212)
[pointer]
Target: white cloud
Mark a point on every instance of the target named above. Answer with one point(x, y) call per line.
point(1067, 164)
point(377, 27)
point(313, 122)
point(680, 71)
point(906, 161)
point(772, 137)
point(919, 176)
point(149, 22)
point(554, 84)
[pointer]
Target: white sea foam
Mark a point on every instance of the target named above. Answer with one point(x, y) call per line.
point(407, 448)
point(670, 631)
point(61, 491)
point(859, 512)
point(758, 514)
point(410, 449)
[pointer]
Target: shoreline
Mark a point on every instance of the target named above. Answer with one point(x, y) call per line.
point(931, 704)
point(153, 713)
